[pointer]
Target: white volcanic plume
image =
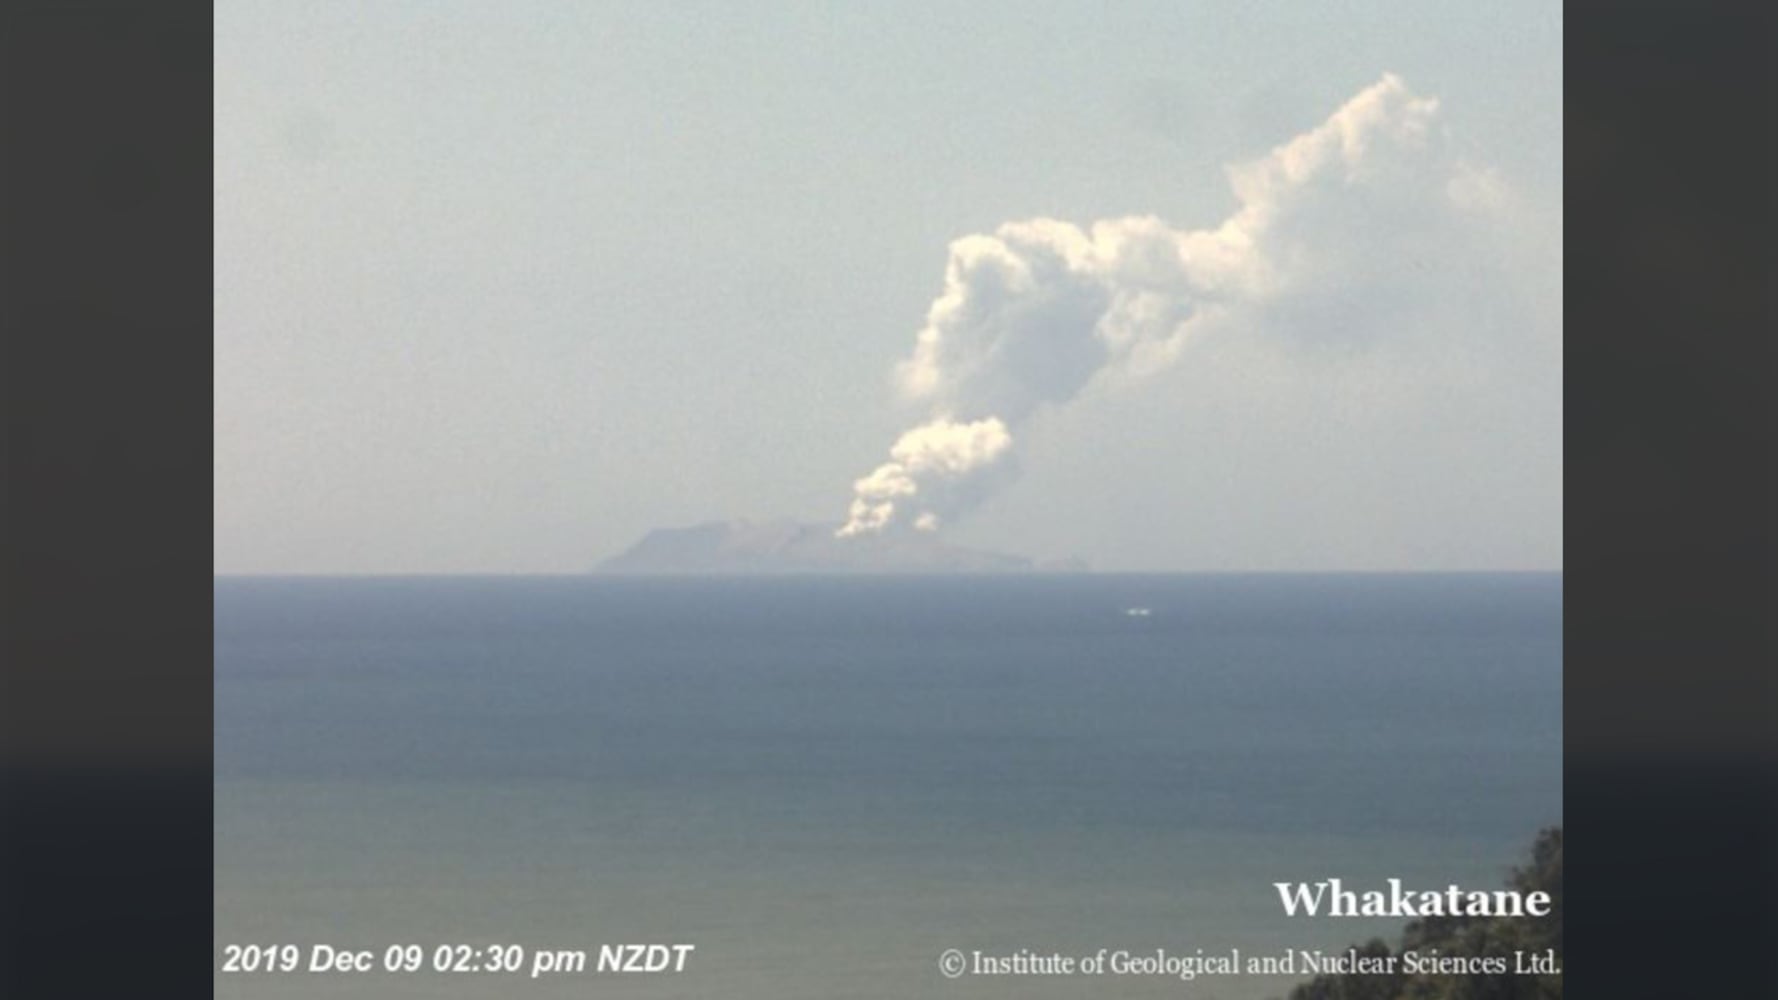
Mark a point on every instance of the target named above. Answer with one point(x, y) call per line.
point(1035, 312)
point(942, 465)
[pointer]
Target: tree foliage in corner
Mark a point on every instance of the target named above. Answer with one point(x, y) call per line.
point(1468, 936)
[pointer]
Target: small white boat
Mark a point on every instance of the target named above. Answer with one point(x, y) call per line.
point(1137, 612)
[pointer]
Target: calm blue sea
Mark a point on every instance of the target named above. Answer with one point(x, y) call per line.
point(825, 783)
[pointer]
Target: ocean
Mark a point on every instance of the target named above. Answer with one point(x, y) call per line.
point(823, 784)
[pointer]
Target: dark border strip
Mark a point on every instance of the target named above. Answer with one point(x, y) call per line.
point(1671, 610)
point(105, 200)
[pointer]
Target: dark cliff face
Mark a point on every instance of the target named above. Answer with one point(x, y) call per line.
point(797, 547)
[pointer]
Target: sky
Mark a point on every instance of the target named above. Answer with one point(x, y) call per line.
point(499, 287)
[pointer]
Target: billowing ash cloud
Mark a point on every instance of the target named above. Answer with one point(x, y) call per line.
point(1034, 313)
point(942, 465)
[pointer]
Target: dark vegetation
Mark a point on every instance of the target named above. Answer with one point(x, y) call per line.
point(1468, 936)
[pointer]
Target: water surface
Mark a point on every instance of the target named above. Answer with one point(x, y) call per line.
point(824, 783)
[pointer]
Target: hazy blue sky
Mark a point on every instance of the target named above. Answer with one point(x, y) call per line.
point(500, 286)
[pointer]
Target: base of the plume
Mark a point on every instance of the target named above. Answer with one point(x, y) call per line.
point(799, 547)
